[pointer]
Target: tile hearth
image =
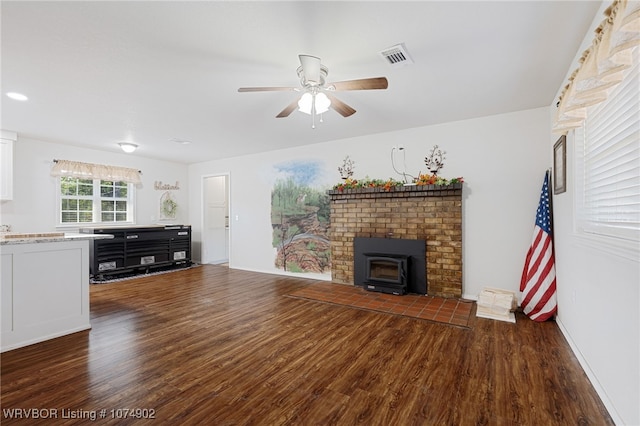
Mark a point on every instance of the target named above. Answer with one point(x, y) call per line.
point(432, 308)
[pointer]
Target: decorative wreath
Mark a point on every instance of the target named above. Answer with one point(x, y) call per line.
point(168, 206)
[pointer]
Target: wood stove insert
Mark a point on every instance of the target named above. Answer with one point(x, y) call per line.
point(386, 272)
point(390, 265)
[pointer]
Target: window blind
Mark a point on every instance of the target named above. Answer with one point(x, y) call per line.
point(608, 161)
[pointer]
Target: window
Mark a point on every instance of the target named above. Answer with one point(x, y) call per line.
point(608, 162)
point(86, 201)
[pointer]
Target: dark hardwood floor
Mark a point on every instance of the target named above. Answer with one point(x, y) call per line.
point(216, 346)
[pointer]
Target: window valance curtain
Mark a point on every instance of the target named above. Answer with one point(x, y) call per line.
point(601, 65)
point(95, 171)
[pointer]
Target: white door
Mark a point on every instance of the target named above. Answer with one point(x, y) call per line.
point(215, 238)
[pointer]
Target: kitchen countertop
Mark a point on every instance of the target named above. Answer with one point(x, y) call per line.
point(48, 237)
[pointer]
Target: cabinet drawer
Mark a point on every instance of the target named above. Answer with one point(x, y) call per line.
point(146, 235)
point(147, 259)
point(105, 265)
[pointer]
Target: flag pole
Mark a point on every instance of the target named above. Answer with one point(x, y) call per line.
point(553, 228)
point(552, 220)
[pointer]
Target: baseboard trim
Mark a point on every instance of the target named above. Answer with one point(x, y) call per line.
point(590, 374)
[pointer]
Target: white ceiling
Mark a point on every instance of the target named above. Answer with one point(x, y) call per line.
point(97, 73)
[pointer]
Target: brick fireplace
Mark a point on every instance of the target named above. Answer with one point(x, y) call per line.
point(429, 212)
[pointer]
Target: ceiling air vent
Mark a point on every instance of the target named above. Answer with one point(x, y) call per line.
point(397, 55)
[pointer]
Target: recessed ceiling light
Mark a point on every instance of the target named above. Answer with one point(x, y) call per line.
point(128, 147)
point(180, 141)
point(17, 96)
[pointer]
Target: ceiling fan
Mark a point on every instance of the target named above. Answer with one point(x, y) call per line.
point(317, 95)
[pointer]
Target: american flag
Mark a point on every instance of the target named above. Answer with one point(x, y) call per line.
point(538, 283)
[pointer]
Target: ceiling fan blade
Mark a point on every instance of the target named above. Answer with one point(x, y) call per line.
point(362, 84)
point(266, 89)
point(310, 68)
point(288, 110)
point(340, 107)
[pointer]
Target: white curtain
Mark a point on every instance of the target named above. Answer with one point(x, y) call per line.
point(601, 65)
point(95, 171)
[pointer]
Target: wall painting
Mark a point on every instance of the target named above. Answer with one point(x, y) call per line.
point(300, 219)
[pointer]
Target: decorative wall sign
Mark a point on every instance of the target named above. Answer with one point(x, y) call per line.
point(159, 186)
point(560, 165)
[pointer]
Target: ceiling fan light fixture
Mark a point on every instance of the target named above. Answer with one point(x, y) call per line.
point(322, 103)
point(304, 104)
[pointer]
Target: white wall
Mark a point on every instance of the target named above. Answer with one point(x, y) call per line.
point(598, 303)
point(33, 208)
point(503, 159)
point(598, 295)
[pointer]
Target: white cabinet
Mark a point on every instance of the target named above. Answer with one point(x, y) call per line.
point(44, 291)
point(7, 139)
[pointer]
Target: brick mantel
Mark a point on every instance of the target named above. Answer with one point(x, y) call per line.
point(424, 212)
point(398, 191)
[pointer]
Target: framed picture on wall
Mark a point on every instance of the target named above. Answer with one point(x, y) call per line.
point(560, 165)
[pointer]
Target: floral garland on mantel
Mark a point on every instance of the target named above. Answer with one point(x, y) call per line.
point(434, 162)
point(390, 183)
